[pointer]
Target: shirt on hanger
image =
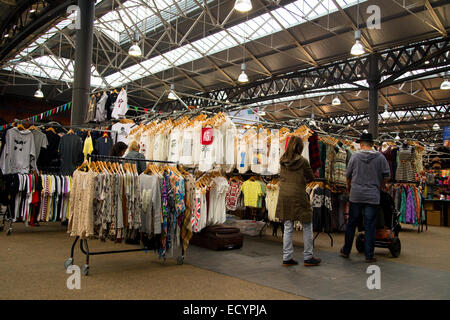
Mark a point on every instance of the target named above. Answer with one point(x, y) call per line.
point(252, 191)
point(40, 141)
point(100, 114)
point(19, 153)
point(103, 146)
point(121, 105)
point(71, 153)
point(122, 129)
point(88, 147)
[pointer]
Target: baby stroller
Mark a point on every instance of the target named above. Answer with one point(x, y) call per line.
point(388, 227)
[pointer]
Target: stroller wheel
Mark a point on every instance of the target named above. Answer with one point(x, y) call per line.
point(360, 243)
point(396, 247)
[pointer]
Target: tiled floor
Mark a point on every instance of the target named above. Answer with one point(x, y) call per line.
point(259, 261)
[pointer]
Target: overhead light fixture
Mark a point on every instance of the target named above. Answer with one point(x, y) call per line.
point(358, 48)
point(336, 102)
point(397, 137)
point(6, 35)
point(134, 50)
point(445, 85)
point(39, 93)
point(427, 62)
point(386, 111)
point(172, 95)
point(243, 5)
point(436, 127)
point(243, 76)
point(32, 10)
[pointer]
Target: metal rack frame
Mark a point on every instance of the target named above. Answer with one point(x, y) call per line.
point(84, 242)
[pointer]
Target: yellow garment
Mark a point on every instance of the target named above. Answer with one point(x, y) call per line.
point(88, 147)
point(251, 190)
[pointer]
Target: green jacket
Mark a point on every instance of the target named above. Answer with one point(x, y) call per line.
point(293, 201)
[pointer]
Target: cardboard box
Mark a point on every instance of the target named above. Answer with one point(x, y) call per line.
point(434, 218)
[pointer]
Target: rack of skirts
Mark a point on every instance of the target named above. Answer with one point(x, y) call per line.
point(84, 241)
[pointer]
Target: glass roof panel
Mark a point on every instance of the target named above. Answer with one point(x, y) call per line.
point(52, 67)
point(118, 29)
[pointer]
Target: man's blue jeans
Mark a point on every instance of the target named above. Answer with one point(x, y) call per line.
point(370, 218)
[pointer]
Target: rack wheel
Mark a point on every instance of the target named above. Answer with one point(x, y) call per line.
point(68, 263)
point(85, 269)
point(396, 247)
point(180, 260)
point(360, 243)
point(8, 233)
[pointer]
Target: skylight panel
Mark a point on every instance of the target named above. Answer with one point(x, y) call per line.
point(287, 15)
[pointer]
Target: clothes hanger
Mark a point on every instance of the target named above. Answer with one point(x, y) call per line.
point(51, 130)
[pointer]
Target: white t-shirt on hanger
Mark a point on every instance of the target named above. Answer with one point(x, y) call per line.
point(122, 129)
point(274, 153)
point(121, 105)
point(187, 146)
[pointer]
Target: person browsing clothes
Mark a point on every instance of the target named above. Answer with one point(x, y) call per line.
point(134, 154)
point(293, 202)
point(367, 173)
point(118, 149)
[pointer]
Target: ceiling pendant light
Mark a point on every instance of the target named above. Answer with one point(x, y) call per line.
point(172, 95)
point(358, 48)
point(436, 127)
point(397, 137)
point(445, 85)
point(386, 111)
point(243, 78)
point(243, 5)
point(134, 50)
point(336, 102)
point(39, 93)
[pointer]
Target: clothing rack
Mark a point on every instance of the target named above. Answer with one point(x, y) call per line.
point(127, 159)
point(84, 243)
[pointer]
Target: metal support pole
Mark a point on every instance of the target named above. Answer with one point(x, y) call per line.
point(373, 80)
point(83, 62)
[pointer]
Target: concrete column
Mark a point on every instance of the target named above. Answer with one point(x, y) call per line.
point(83, 62)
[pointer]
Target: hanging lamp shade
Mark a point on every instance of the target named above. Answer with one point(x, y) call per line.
point(39, 93)
point(243, 76)
point(386, 111)
point(358, 48)
point(436, 127)
point(397, 137)
point(243, 5)
point(336, 101)
point(135, 51)
point(172, 95)
point(445, 85)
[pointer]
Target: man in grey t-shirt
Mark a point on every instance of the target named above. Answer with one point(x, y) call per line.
point(367, 173)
